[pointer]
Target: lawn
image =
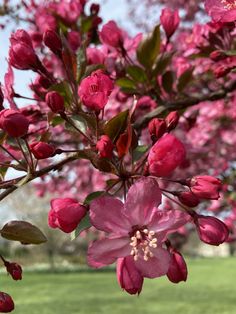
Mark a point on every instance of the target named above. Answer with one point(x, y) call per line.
point(211, 289)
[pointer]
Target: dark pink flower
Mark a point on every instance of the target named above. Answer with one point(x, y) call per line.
point(206, 187)
point(157, 128)
point(42, 150)
point(111, 35)
point(8, 87)
point(74, 39)
point(55, 102)
point(137, 228)
point(52, 41)
point(95, 56)
point(128, 276)
point(172, 120)
point(6, 303)
point(188, 198)
point(105, 146)
point(211, 230)
point(178, 269)
point(169, 21)
point(165, 156)
point(95, 89)
point(14, 270)
point(221, 10)
point(65, 214)
point(21, 54)
point(1, 98)
point(13, 122)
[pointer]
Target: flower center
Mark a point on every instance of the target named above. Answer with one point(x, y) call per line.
point(94, 88)
point(142, 241)
point(229, 4)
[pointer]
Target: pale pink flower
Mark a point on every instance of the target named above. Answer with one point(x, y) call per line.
point(137, 228)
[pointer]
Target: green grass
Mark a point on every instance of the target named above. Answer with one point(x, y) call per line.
point(211, 289)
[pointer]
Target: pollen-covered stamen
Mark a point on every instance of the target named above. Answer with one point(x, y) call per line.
point(94, 88)
point(229, 4)
point(142, 241)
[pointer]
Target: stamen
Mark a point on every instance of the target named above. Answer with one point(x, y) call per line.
point(229, 4)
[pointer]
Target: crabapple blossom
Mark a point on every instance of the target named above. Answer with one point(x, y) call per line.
point(169, 21)
point(221, 10)
point(111, 34)
point(205, 187)
point(42, 150)
point(52, 41)
point(13, 122)
point(177, 271)
point(14, 270)
point(6, 303)
point(55, 102)
point(105, 146)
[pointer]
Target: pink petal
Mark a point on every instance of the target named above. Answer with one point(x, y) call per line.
point(107, 214)
point(142, 197)
point(106, 251)
point(156, 266)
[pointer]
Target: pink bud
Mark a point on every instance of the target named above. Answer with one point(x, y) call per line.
point(1, 98)
point(65, 214)
point(52, 41)
point(42, 150)
point(94, 8)
point(55, 102)
point(95, 56)
point(178, 269)
point(74, 39)
point(111, 35)
point(169, 21)
point(172, 120)
point(6, 303)
point(105, 147)
point(218, 55)
point(95, 89)
point(165, 156)
point(211, 230)
point(21, 54)
point(13, 123)
point(221, 71)
point(129, 278)
point(206, 187)
point(156, 127)
point(188, 199)
point(14, 270)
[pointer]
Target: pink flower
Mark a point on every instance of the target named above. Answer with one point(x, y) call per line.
point(170, 21)
point(14, 270)
point(21, 54)
point(105, 146)
point(8, 87)
point(55, 102)
point(6, 303)
point(178, 269)
point(221, 10)
point(172, 120)
point(111, 35)
point(188, 198)
point(95, 89)
point(42, 150)
point(137, 228)
point(157, 128)
point(13, 123)
point(52, 41)
point(74, 39)
point(165, 156)
point(128, 276)
point(206, 187)
point(65, 214)
point(211, 230)
point(95, 56)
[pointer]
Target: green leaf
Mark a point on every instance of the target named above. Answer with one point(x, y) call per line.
point(139, 152)
point(78, 121)
point(56, 120)
point(167, 81)
point(83, 225)
point(125, 83)
point(137, 73)
point(149, 48)
point(162, 63)
point(117, 125)
point(22, 231)
point(92, 196)
point(185, 79)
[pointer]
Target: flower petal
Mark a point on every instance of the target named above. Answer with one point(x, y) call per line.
point(107, 214)
point(156, 266)
point(106, 251)
point(142, 197)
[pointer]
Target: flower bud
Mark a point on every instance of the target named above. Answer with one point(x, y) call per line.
point(74, 39)
point(111, 35)
point(221, 71)
point(105, 147)
point(21, 54)
point(165, 156)
point(205, 187)
point(169, 21)
point(52, 41)
point(211, 230)
point(55, 102)
point(65, 214)
point(6, 303)
point(172, 120)
point(188, 199)
point(94, 8)
point(14, 270)
point(1, 98)
point(178, 269)
point(218, 55)
point(42, 150)
point(13, 122)
point(129, 278)
point(156, 127)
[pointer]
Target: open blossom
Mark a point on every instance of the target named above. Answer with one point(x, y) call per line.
point(165, 156)
point(128, 276)
point(95, 90)
point(137, 228)
point(6, 303)
point(169, 21)
point(65, 214)
point(111, 34)
point(221, 10)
